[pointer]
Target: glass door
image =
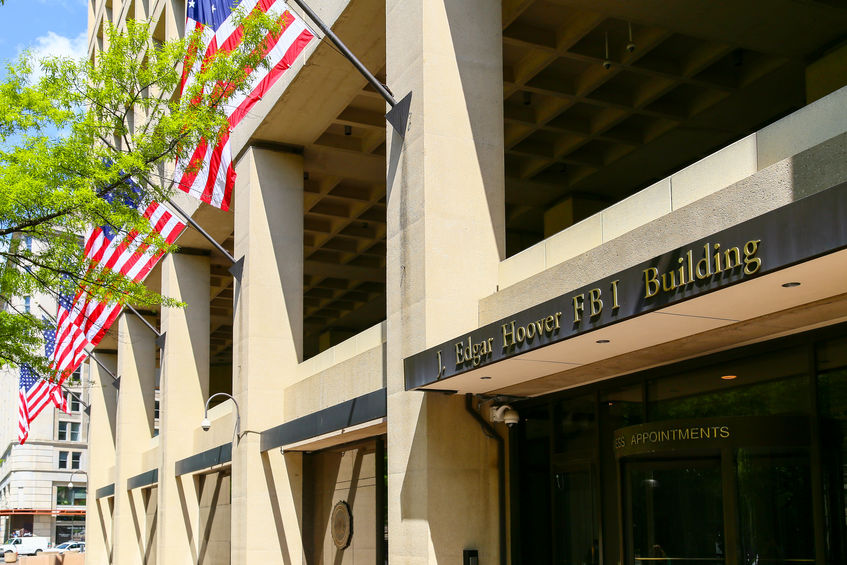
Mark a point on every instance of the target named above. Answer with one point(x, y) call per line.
point(674, 512)
point(775, 506)
point(576, 538)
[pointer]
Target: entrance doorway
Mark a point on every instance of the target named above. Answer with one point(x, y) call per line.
point(733, 497)
point(738, 458)
point(675, 512)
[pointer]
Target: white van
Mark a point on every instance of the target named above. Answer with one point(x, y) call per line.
point(29, 545)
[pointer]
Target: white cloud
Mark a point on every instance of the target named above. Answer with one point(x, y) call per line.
point(55, 45)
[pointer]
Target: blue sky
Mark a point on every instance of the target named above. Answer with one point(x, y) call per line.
point(48, 27)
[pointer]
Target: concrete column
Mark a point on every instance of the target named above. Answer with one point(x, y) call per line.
point(103, 400)
point(267, 346)
point(137, 368)
point(446, 237)
point(184, 386)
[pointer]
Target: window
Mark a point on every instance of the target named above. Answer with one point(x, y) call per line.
point(29, 243)
point(156, 415)
point(70, 496)
point(75, 377)
point(73, 402)
point(70, 528)
point(75, 458)
point(63, 460)
point(69, 431)
point(27, 303)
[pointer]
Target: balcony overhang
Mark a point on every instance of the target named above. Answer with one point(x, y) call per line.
point(714, 293)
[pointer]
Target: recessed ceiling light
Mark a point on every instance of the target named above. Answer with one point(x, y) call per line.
point(485, 378)
point(790, 284)
point(602, 341)
point(729, 377)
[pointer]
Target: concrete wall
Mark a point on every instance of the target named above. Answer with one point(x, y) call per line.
point(150, 505)
point(335, 476)
point(214, 504)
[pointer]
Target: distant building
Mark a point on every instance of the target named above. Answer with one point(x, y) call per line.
point(35, 498)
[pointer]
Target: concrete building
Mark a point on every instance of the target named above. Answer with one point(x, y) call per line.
point(618, 226)
point(34, 494)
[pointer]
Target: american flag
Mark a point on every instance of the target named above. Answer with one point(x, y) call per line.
point(82, 320)
point(35, 393)
point(70, 352)
point(211, 174)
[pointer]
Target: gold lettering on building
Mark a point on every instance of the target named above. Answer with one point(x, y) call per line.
point(472, 352)
point(515, 335)
point(655, 437)
point(713, 261)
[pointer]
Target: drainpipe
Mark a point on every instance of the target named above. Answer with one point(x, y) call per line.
point(489, 431)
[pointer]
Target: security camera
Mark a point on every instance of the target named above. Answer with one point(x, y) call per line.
point(505, 414)
point(607, 64)
point(205, 424)
point(511, 417)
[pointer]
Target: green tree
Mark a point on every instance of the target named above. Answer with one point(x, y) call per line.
point(73, 133)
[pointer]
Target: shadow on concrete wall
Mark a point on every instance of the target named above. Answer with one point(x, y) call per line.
point(215, 519)
point(451, 481)
point(144, 521)
point(104, 529)
point(351, 499)
point(819, 168)
point(275, 507)
point(151, 504)
point(186, 515)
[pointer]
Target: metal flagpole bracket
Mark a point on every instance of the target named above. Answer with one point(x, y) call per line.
point(398, 115)
point(160, 341)
point(237, 268)
point(397, 119)
point(116, 380)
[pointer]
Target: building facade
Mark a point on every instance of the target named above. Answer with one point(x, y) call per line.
point(588, 307)
point(43, 482)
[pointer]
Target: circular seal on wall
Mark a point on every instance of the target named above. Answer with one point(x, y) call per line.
point(341, 524)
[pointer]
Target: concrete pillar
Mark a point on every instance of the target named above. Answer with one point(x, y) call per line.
point(445, 239)
point(137, 368)
point(184, 386)
point(267, 346)
point(103, 400)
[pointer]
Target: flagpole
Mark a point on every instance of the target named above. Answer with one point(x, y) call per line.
point(381, 88)
point(398, 115)
point(72, 393)
point(143, 319)
point(197, 227)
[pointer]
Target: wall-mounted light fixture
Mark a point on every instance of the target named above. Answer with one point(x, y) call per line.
point(71, 480)
point(206, 424)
